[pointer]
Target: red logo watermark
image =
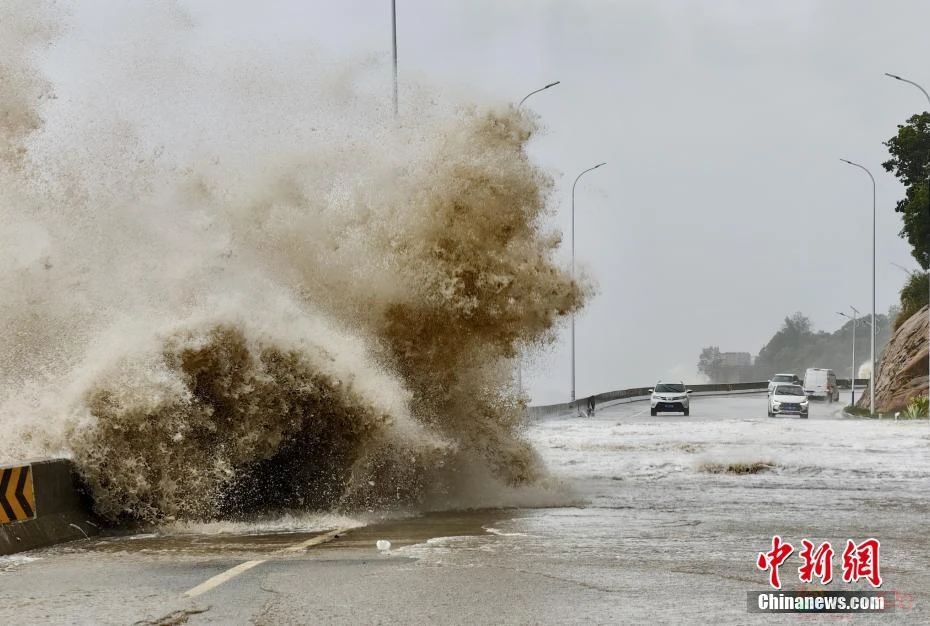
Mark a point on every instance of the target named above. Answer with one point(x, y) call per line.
point(773, 559)
point(860, 561)
point(817, 563)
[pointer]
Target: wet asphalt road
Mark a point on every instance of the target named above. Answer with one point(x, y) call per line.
point(649, 533)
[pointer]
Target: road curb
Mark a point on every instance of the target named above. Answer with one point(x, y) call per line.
point(42, 504)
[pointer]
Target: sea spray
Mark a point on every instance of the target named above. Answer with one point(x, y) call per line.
point(232, 286)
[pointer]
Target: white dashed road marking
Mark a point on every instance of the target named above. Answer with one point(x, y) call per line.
point(232, 572)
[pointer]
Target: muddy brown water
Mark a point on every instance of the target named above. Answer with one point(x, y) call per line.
point(400, 532)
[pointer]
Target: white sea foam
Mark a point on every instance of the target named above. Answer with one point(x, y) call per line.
point(233, 282)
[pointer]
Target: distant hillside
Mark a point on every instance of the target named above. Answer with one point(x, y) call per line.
point(796, 347)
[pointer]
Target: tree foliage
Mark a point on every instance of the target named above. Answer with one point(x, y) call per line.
point(796, 346)
point(914, 296)
point(787, 349)
point(710, 362)
point(910, 163)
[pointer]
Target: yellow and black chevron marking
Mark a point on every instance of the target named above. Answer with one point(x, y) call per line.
point(17, 499)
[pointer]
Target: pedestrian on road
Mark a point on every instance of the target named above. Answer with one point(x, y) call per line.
point(591, 406)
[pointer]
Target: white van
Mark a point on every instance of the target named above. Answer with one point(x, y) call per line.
point(821, 383)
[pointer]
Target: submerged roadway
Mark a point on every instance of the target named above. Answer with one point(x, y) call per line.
point(647, 520)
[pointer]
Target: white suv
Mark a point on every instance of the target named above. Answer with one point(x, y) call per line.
point(787, 399)
point(783, 379)
point(670, 398)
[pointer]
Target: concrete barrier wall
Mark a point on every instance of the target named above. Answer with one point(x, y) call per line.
point(41, 504)
point(843, 383)
point(642, 393)
point(632, 395)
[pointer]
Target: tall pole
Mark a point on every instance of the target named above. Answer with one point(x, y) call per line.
point(573, 269)
point(926, 95)
point(519, 356)
point(852, 378)
point(874, 220)
point(852, 384)
point(537, 91)
point(394, 48)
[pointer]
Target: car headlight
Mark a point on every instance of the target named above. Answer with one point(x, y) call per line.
point(776, 405)
point(804, 402)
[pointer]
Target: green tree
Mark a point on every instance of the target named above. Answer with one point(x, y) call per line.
point(787, 351)
point(797, 326)
point(710, 363)
point(910, 163)
point(796, 347)
point(914, 295)
point(894, 311)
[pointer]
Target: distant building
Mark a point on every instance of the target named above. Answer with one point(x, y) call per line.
point(736, 359)
point(736, 367)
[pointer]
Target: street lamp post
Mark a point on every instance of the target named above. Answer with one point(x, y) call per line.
point(519, 357)
point(394, 48)
point(573, 268)
point(910, 273)
point(874, 372)
point(537, 91)
point(852, 379)
point(926, 95)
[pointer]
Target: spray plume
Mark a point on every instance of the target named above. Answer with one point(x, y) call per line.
point(232, 286)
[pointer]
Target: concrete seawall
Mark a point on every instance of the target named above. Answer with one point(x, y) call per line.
point(41, 504)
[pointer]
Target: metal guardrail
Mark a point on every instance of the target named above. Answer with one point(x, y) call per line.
point(843, 383)
point(536, 412)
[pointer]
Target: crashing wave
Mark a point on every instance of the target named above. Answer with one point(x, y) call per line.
point(229, 290)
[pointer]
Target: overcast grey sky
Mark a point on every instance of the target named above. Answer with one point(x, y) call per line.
point(724, 206)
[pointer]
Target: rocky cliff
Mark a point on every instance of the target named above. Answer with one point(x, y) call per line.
point(902, 373)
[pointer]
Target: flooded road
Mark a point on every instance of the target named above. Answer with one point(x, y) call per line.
point(663, 531)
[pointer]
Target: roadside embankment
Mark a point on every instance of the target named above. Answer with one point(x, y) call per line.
point(902, 372)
